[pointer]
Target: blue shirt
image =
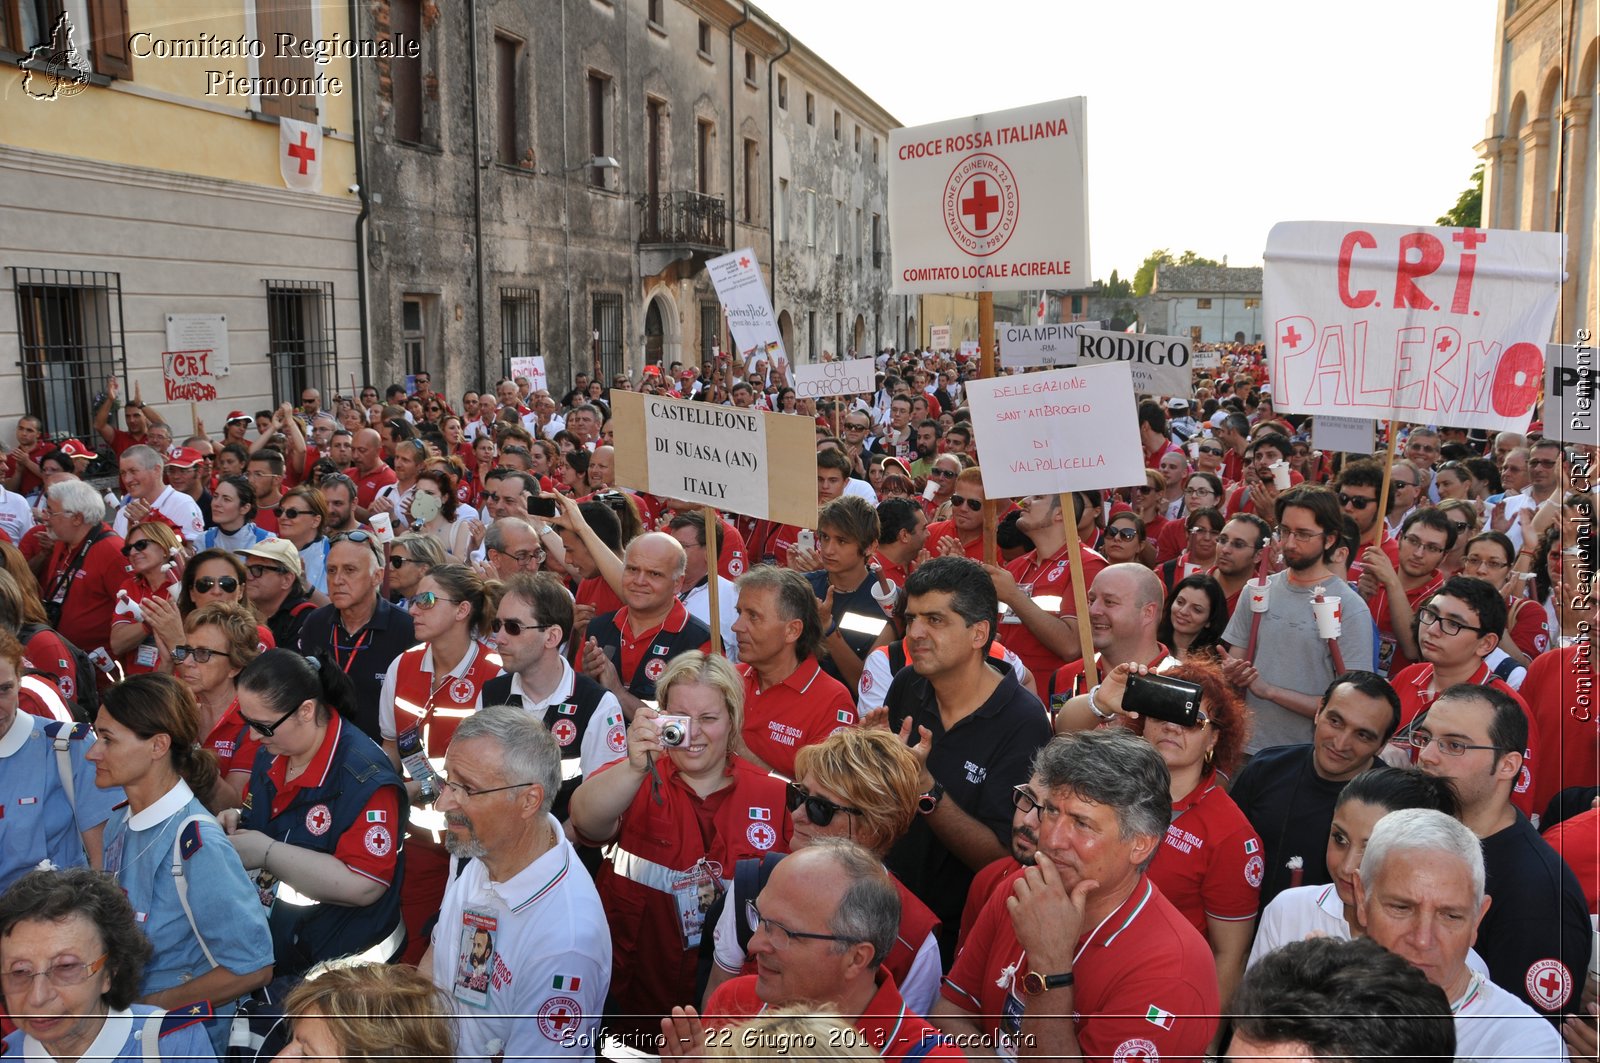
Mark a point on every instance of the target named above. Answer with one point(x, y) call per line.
point(121, 1039)
point(226, 906)
point(36, 819)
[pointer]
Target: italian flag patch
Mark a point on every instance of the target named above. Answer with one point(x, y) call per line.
point(377, 816)
point(846, 716)
point(1156, 1017)
point(1251, 846)
point(563, 981)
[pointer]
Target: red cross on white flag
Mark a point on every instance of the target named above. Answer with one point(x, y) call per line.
point(300, 154)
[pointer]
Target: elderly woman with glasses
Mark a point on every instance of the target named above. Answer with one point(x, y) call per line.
point(189, 892)
point(325, 818)
point(864, 785)
point(410, 557)
point(154, 554)
point(71, 960)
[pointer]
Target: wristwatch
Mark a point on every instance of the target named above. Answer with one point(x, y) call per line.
point(1034, 983)
point(930, 800)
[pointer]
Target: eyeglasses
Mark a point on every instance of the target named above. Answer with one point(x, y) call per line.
point(60, 975)
point(1450, 747)
point(819, 810)
point(206, 584)
point(514, 627)
point(257, 571)
point(428, 599)
point(1125, 533)
point(974, 504)
point(856, 427)
point(1417, 544)
point(780, 935)
point(130, 549)
point(461, 790)
point(396, 562)
point(1356, 502)
point(1300, 535)
point(1025, 802)
point(201, 654)
point(524, 557)
point(1542, 463)
point(1398, 483)
point(1196, 492)
point(1490, 563)
point(1449, 625)
point(267, 730)
point(285, 513)
point(1214, 451)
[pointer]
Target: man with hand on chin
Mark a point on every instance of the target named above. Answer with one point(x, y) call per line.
point(1080, 955)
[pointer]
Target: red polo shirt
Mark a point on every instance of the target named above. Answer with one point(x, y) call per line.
point(802, 710)
point(1145, 982)
point(29, 480)
point(1412, 685)
point(1551, 693)
point(352, 851)
point(1049, 576)
point(368, 484)
point(1210, 863)
point(895, 573)
point(1152, 459)
point(91, 600)
point(597, 592)
point(940, 528)
point(1067, 681)
point(636, 646)
point(1390, 660)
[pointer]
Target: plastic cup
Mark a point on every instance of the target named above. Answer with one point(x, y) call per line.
point(1280, 474)
point(382, 527)
point(1256, 589)
point(1328, 618)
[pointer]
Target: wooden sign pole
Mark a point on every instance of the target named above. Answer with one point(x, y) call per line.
point(1388, 477)
point(991, 518)
point(711, 579)
point(1080, 593)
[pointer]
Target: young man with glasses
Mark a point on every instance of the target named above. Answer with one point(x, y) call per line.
point(1536, 937)
point(1292, 667)
point(1394, 587)
point(360, 630)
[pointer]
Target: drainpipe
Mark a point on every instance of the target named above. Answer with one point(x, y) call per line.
point(477, 184)
point(362, 219)
point(772, 163)
point(733, 126)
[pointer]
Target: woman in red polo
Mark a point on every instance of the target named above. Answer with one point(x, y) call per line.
point(153, 570)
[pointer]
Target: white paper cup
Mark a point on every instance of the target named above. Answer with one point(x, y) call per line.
point(1257, 591)
point(382, 527)
point(1280, 474)
point(1328, 618)
point(931, 490)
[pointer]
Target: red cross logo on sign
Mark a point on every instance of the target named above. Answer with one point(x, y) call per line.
point(303, 152)
point(981, 204)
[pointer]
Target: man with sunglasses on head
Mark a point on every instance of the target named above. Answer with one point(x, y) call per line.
point(360, 630)
point(275, 588)
point(1293, 666)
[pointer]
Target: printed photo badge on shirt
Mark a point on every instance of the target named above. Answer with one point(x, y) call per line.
point(565, 732)
point(475, 959)
point(318, 819)
point(695, 890)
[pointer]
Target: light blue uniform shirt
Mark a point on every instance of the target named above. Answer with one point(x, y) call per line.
point(226, 906)
point(122, 1040)
point(36, 819)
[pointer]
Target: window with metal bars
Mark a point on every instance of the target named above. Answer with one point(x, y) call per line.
point(608, 329)
point(710, 330)
point(70, 337)
point(519, 325)
point(300, 338)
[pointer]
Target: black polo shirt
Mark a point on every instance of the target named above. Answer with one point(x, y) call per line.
point(1291, 807)
point(1536, 936)
point(978, 763)
point(859, 601)
point(364, 655)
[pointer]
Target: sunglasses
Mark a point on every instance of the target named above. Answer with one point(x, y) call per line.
point(1355, 503)
point(819, 810)
point(1211, 450)
point(267, 730)
point(201, 654)
point(513, 627)
point(942, 474)
point(257, 571)
point(974, 504)
point(397, 562)
point(285, 513)
point(1125, 533)
point(1460, 525)
point(206, 584)
point(428, 599)
point(130, 549)
point(357, 536)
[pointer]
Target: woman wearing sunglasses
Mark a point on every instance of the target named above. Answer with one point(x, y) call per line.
point(682, 814)
point(210, 576)
point(410, 557)
point(220, 639)
point(325, 817)
point(1123, 538)
point(863, 784)
point(205, 918)
point(1210, 864)
point(301, 517)
point(427, 692)
point(153, 572)
point(233, 514)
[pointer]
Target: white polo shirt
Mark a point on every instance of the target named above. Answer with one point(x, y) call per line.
point(1315, 911)
point(179, 508)
point(1493, 1024)
point(526, 963)
point(16, 516)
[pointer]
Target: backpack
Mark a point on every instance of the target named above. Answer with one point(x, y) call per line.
point(84, 699)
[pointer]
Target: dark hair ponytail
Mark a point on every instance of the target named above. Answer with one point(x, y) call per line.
point(284, 679)
point(156, 703)
point(1393, 789)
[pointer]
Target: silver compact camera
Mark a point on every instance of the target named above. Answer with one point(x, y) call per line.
point(674, 730)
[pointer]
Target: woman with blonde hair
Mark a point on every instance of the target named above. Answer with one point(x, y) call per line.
point(153, 571)
point(369, 1011)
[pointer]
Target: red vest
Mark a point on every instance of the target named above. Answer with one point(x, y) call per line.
point(435, 708)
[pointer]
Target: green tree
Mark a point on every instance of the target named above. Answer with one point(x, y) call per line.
point(1145, 278)
point(1468, 211)
point(1117, 288)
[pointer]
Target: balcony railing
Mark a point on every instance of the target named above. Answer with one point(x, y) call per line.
point(690, 219)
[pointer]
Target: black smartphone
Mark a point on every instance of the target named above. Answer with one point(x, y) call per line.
point(1160, 697)
point(540, 506)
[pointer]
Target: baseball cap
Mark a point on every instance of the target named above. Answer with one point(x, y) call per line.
point(74, 449)
point(278, 551)
point(184, 458)
point(1178, 404)
point(238, 415)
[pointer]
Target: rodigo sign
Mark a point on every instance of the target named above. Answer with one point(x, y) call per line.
point(1160, 364)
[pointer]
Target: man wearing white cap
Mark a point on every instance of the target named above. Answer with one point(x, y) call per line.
point(275, 588)
point(1180, 424)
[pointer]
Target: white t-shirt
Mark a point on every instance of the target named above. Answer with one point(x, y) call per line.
point(16, 516)
point(527, 962)
point(698, 601)
point(1493, 1024)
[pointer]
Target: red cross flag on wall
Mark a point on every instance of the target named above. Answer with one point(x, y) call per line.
point(300, 154)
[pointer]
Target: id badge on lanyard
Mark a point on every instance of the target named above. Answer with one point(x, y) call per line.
point(695, 890)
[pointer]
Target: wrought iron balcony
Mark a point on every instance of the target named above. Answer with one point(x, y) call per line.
point(684, 219)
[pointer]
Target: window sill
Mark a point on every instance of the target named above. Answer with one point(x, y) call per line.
point(516, 168)
point(706, 57)
point(752, 85)
point(417, 145)
point(657, 28)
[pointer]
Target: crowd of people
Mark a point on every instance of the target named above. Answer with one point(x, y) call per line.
point(393, 724)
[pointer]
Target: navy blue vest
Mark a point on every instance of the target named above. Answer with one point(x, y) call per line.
point(662, 649)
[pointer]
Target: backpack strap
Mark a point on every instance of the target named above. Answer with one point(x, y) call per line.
point(749, 879)
point(149, 1036)
point(61, 736)
point(184, 845)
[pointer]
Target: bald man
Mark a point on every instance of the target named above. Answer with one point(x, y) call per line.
point(369, 472)
point(626, 651)
point(1124, 611)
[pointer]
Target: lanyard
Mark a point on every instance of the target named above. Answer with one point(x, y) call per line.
point(333, 645)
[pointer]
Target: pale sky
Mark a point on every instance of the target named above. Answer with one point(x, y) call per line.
point(1208, 121)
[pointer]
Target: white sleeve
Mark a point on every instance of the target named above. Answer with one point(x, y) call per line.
point(386, 725)
point(922, 981)
point(874, 682)
point(725, 940)
point(191, 526)
point(596, 751)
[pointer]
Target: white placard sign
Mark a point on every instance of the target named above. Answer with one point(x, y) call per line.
point(711, 455)
point(969, 349)
point(1026, 346)
point(1062, 430)
point(1160, 364)
point(993, 202)
point(855, 377)
point(743, 292)
point(939, 337)
point(1346, 435)
point(1207, 359)
point(1569, 382)
point(196, 333)
point(1434, 325)
point(532, 369)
